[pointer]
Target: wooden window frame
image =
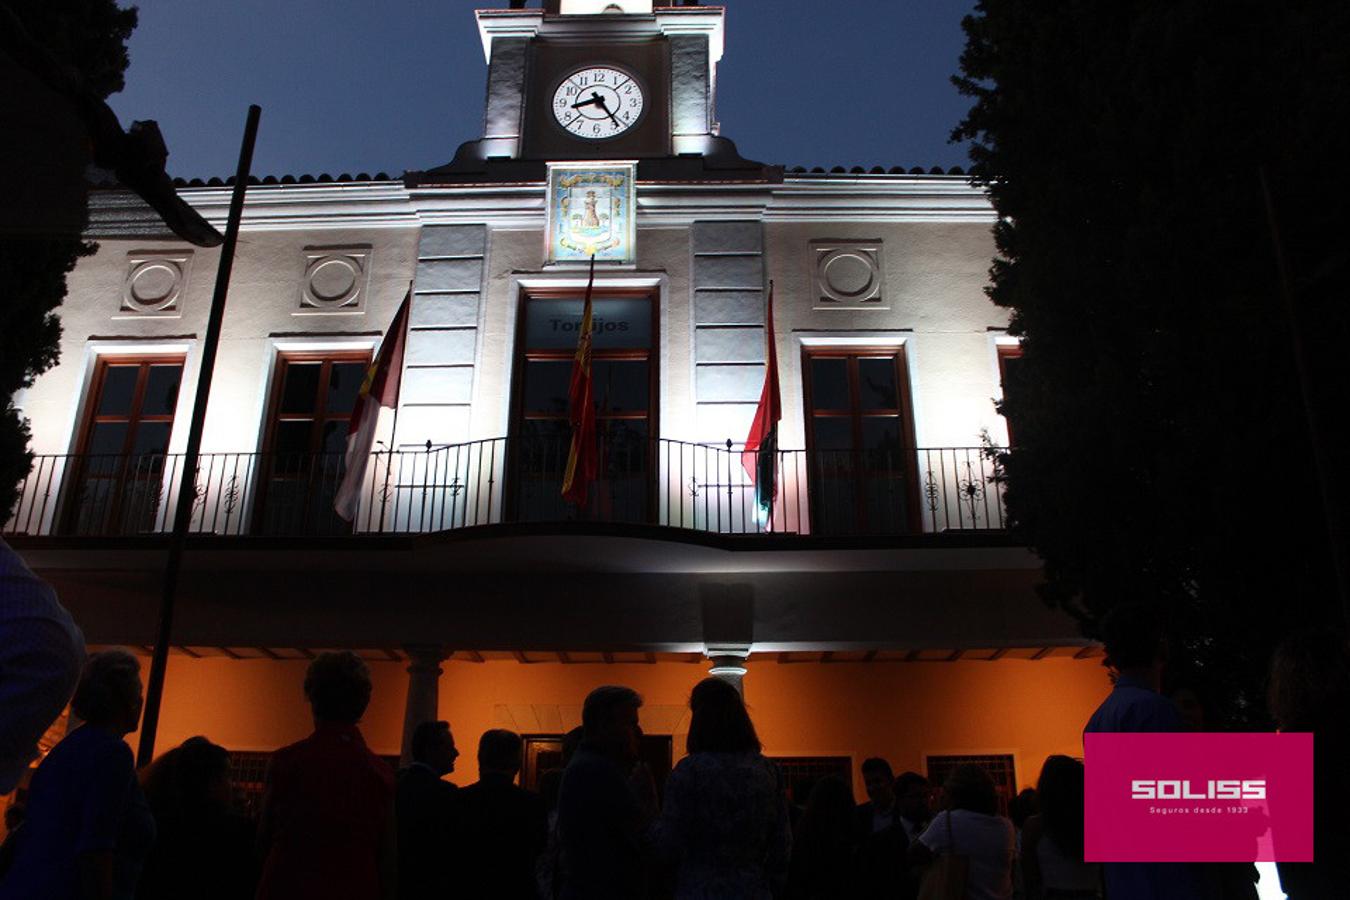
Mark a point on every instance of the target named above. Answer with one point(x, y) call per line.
point(273, 416)
point(522, 354)
point(89, 417)
point(1005, 353)
point(905, 412)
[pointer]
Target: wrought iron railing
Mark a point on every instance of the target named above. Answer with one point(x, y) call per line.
point(660, 482)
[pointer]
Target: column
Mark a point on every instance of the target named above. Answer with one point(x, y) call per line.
point(728, 664)
point(422, 705)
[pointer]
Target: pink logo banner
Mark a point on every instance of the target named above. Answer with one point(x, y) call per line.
point(1198, 797)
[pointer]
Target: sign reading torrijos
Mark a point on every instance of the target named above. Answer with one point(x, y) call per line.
point(1198, 797)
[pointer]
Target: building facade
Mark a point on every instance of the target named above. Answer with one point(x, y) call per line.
point(876, 604)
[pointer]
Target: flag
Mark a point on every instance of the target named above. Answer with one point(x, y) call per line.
point(582, 459)
point(759, 458)
point(379, 389)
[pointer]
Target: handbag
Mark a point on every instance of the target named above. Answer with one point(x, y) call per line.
point(947, 875)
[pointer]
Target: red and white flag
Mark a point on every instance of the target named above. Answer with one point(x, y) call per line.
point(379, 389)
point(760, 456)
point(582, 458)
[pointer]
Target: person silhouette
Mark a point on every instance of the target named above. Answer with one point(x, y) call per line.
point(881, 838)
point(203, 841)
point(427, 813)
point(1310, 691)
point(87, 828)
point(327, 829)
point(606, 802)
point(971, 827)
point(1136, 654)
point(821, 867)
point(1052, 838)
point(724, 823)
point(504, 827)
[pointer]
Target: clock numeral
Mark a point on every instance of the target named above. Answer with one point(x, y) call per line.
point(628, 89)
point(633, 102)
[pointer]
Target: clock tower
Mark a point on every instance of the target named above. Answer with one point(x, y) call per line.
point(600, 79)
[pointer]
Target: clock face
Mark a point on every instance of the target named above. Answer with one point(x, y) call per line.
point(598, 102)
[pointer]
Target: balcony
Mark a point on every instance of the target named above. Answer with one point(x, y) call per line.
point(662, 483)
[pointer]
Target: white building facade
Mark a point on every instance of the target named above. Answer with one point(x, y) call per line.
point(884, 549)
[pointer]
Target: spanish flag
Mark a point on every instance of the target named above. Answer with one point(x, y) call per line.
point(582, 459)
point(760, 457)
point(379, 389)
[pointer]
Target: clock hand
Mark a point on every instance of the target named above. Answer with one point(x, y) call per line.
point(604, 107)
point(595, 98)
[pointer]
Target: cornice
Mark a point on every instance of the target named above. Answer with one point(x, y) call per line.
point(389, 204)
point(114, 214)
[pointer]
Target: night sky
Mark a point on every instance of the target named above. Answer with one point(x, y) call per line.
point(349, 86)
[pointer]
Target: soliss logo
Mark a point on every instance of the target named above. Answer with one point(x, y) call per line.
point(1149, 789)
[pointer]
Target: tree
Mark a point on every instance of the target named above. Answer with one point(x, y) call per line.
point(87, 40)
point(1164, 449)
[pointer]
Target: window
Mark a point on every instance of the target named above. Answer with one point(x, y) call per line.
point(305, 444)
point(543, 753)
point(623, 373)
point(124, 445)
point(800, 774)
point(1009, 362)
point(998, 765)
point(248, 778)
point(860, 441)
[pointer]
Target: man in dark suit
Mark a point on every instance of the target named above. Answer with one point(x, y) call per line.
point(880, 836)
point(427, 810)
point(504, 827)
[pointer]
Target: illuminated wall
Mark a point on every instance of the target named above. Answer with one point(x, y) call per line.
point(901, 711)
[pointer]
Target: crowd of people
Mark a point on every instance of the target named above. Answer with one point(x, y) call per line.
point(337, 822)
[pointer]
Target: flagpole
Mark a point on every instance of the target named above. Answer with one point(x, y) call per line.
point(393, 433)
point(187, 485)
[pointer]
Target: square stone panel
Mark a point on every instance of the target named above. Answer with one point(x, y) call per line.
point(442, 347)
point(728, 237)
point(743, 271)
point(846, 274)
point(335, 279)
point(437, 384)
point(452, 240)
point(734, 383)
point(450, 275)
point(741, 344)
point(444, 310)
point(728, 307)
point(154, 283)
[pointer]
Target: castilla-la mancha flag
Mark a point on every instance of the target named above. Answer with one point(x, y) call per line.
point(760, 456)
point(582, 459)
point(379, 389)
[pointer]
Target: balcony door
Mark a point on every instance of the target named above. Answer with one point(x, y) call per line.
point(624, 391)
point(860, 441)
point(119, 471)
point(305, 442)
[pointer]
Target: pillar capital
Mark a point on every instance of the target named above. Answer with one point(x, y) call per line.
point(728, 662)
point(426, 657)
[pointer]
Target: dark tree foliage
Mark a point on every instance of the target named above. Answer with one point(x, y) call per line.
point(89, 37)
point(1164, 452)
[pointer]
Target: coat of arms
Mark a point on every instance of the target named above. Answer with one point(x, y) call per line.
point(591, 213)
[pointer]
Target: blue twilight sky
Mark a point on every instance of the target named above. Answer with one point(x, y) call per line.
point(347, 86)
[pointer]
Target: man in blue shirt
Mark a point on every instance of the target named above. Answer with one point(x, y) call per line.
point(1136, 651)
